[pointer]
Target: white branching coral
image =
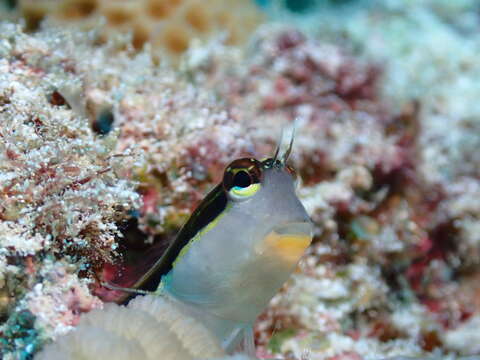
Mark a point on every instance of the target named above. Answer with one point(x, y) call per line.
point(65, 188)
point(78, 121)
point(62, 192)
point(185, 133)
point(59, 180)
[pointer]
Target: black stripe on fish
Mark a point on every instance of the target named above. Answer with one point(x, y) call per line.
point(208, 210)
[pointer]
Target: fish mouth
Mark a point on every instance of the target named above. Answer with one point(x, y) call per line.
point(287, 241)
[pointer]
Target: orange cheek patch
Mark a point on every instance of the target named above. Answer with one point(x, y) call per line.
point(289, 247)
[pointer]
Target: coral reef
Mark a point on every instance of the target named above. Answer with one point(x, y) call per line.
point(388, 170)
point(347, 151)
point(148, 328)
point(62, 196)
point(168, 25)
point(75, 133)
point(393, 192)
point(386, 148)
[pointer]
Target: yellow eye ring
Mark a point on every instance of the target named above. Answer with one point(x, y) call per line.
point(238, 192)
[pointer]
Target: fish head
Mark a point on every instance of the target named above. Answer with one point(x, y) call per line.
point(262, 198)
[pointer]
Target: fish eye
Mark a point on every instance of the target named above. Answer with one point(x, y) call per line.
point(242, 178)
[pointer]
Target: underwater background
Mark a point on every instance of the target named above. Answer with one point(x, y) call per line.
point(117, 117)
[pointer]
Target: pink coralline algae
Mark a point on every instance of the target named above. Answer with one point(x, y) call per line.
point(333, 96)
point(382, 248)
point(104, 154)
point(61, 198)
point(97, 162)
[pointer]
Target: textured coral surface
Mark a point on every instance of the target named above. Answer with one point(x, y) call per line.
point(96, 161)
point(151, 327)
point(61, 196)
point(168, 25)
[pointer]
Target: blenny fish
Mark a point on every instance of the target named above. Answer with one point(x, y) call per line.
point(203, 295)
point(237, 249)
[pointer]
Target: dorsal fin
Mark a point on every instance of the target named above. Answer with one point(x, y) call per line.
point(208, 210)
